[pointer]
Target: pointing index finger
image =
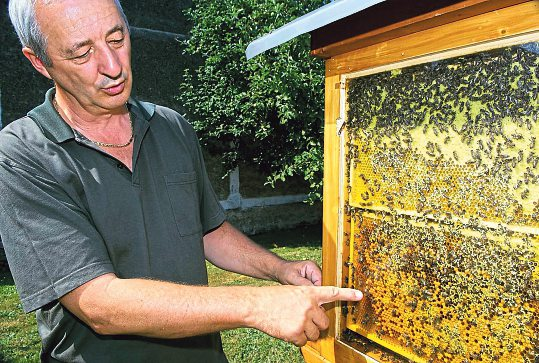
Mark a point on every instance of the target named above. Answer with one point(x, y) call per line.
point(327, 294)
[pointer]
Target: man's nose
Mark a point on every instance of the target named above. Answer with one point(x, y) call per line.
point(109, 63)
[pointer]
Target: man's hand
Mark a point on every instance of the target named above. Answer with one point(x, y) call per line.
point(295, 313)
point(299, 273)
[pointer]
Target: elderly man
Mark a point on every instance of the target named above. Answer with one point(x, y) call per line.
point(107, 213)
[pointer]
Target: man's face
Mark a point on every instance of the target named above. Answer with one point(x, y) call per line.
point(90, 49)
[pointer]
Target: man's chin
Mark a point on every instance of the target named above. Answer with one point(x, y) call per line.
point(115, 101)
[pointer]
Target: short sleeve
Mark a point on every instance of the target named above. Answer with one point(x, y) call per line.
point(49, 240)
point(212, 214)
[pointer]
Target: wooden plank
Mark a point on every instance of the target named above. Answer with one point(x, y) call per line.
point(460, 35)
point(325, 48)
point(327, 345)
point(312, 356)
point(330, 204)
point(331, 182)
point(373, 18)
point(314, 346)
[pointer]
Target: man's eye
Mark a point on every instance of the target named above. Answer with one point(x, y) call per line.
point(117, 41)
point(84, 55)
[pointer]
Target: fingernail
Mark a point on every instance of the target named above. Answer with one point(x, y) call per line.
point(359, 295)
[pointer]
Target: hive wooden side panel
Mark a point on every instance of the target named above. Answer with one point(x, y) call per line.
point(325, 346)
point(331, 182)
point(459, 36)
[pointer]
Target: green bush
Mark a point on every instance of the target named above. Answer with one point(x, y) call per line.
point(267, 111)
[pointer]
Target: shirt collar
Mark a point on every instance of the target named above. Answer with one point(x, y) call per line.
point(56, 129)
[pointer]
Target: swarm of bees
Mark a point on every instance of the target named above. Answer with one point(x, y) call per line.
point(443, 206)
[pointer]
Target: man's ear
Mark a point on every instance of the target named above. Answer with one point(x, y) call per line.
point(36, 62)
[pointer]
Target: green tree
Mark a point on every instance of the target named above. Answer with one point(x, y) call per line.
point(267, 111)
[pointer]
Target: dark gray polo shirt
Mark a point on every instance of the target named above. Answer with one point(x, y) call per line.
point(70, 212)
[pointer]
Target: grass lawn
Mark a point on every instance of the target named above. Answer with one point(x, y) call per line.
point(19, 341)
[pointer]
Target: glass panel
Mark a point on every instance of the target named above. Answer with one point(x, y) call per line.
point(443, 199)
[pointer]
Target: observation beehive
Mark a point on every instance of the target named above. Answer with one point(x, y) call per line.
point(443, 206)
point(431, 186)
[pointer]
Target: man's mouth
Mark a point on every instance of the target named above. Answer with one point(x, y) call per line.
point(115, 89)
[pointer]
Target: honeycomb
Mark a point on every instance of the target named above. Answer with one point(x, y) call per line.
point(442, 199)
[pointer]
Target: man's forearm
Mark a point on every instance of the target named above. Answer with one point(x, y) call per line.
point(229, 249)
point(113, 306)
point(159, 309)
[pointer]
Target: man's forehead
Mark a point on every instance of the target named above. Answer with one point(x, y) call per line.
point(73, 3)
point(76, 13)
point(77, 21)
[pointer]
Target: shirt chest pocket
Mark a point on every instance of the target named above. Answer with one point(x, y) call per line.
point(184, 199)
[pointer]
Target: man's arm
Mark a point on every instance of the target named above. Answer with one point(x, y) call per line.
point(230, 249)
point(110, 305)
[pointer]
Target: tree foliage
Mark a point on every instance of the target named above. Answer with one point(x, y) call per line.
point(267, 111)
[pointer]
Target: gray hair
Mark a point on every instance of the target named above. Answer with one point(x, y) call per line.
point(23, 16)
